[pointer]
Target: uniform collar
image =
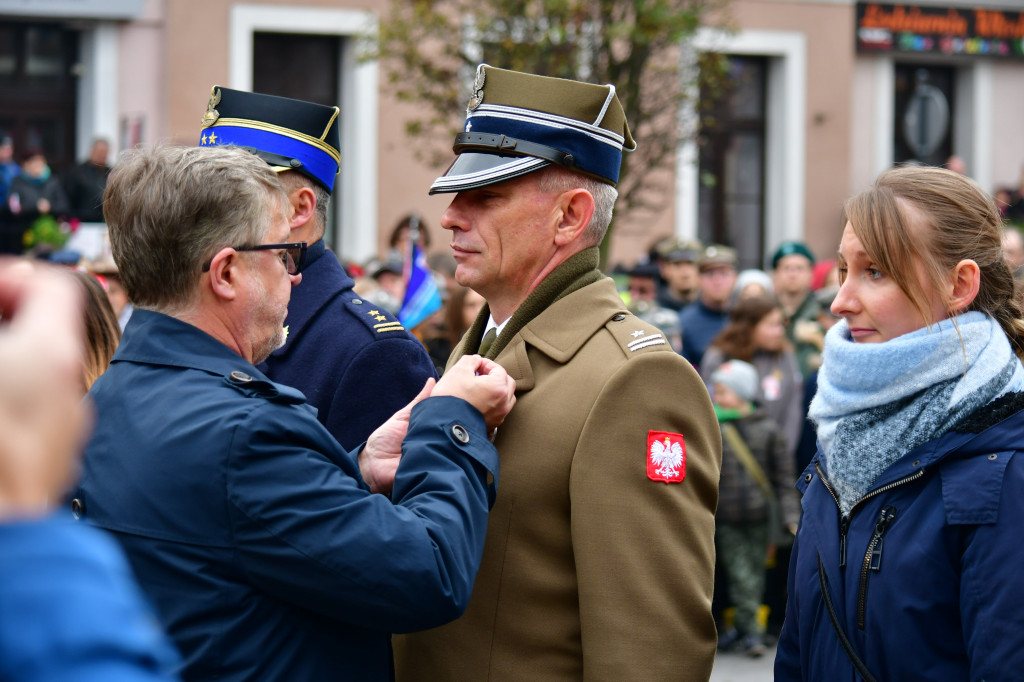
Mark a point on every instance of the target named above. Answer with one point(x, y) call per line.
point(560, 330)
point(154, 338)
point(323, 278)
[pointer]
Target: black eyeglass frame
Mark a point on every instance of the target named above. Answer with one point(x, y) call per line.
point(288, 247)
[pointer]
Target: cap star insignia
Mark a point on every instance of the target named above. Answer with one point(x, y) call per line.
point(211, 115)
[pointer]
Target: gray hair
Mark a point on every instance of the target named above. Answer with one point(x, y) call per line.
point(170, 209)
point(558, 179)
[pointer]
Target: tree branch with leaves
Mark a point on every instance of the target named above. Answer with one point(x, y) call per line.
point(429, 53)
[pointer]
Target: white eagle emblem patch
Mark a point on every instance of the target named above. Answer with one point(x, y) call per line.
point(666, 456)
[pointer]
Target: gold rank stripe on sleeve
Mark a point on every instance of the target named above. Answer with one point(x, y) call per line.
point(639, 341)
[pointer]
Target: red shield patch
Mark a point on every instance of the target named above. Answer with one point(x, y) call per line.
point(666, 456)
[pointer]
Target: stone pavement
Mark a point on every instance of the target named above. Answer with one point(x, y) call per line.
point(735, 667)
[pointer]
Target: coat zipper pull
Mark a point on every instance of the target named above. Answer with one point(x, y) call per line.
point(844, 526)
point(884, 521)
point(873, 559)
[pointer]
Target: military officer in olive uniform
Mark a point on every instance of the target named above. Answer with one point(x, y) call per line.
point(354, 361)
point(599, 557)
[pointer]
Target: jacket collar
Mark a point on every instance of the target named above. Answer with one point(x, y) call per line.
point(559, 331)
point(323, 279)
point(157, 339)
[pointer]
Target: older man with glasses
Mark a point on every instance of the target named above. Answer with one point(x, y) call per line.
point(260, 541)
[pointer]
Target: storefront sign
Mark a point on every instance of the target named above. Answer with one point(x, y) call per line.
point(939, 30)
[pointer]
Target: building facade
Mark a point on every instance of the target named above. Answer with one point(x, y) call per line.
point(825, 94)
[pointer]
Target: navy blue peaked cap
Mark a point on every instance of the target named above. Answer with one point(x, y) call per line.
point(289, 134)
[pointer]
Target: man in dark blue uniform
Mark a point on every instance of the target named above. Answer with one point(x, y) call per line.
point(259, 540)
point(354, 361)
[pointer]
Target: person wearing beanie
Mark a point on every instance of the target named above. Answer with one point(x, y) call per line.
point(792, 271)
point(757, 502)
point(753, 283)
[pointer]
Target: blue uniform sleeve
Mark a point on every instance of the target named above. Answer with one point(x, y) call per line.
point(390, 372)
point(70, 610)
point(307, 530)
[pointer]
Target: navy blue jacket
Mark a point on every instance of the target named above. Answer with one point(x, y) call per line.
point(353, 361)
point(925, 576)
point(701, 325)
point(250, 528)
point(70, 609)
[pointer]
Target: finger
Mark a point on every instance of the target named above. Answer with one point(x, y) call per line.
point(424, 393)
point(15, 274)
point(488, 366)
point(471, 364)
point(47, 313)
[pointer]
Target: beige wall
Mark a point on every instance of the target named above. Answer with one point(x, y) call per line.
point(1007, 119)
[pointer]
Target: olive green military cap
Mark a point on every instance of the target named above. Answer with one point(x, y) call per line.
point(517, 123)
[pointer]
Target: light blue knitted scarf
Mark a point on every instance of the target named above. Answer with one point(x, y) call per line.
point(877, 401)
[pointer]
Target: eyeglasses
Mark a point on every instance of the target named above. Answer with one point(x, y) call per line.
point(293, 255)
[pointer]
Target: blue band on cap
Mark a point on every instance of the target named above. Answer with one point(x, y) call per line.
point(590, 155)
point(315, 161)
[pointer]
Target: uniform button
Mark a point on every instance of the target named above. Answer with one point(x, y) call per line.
point(240, 377)
point(295, 163)
point(461, 434)
point(77, 508)
point(357, 301)
point(807, 478)
point(619, 317)
point(993, 457)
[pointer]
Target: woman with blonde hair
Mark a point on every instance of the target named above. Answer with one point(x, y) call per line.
point(102, 333)
point(906, 563)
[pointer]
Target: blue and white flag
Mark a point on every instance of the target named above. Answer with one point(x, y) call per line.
point(422, 299)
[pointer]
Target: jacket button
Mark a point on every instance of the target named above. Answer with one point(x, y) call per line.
point(619, 317)
point(461, 434)
point(993, 457)
point(356, 301)
point(240, 377)
point(77, 508)
point(807, 478)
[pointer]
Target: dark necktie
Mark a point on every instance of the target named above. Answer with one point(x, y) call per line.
point(488, 340)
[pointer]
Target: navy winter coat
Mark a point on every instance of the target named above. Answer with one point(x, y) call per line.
point(925, 574)
point(354, 362)
point(252, 531)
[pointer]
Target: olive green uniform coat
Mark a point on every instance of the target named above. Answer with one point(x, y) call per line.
point(591, 571)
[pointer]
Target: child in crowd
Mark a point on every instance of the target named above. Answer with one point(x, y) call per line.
point(756, 501)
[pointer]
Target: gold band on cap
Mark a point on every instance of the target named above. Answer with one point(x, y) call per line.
point(287, 132)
